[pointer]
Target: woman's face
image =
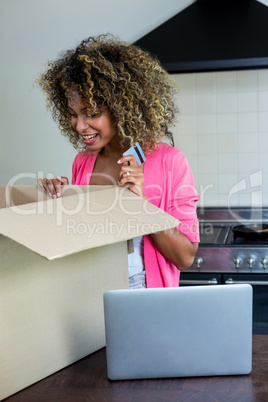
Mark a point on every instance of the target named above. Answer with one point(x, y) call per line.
point(97, 130)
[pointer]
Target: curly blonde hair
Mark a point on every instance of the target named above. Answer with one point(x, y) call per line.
point(130, 82)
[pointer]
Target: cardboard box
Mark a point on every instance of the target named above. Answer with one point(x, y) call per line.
point(57, 257)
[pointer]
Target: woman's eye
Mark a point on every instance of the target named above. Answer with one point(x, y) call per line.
point(96, 114)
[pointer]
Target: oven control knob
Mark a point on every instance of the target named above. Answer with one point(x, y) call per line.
point(237, 261)
point(198, 261)
point(250, 261)
point(264, 262)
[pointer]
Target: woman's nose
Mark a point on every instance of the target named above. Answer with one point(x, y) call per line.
point(82, 123)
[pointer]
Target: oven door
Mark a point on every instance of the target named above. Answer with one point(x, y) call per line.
point(196, 279)
point(259, 284)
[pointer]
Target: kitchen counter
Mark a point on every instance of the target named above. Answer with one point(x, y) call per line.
point(86, 380)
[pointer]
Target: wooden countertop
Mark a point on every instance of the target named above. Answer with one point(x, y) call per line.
point(86, 380)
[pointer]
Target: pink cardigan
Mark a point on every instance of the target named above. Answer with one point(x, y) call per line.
point(168, 184)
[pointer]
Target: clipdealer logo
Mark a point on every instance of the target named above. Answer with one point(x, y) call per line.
point(85, 203)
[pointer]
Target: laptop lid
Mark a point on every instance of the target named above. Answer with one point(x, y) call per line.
point(178, 332)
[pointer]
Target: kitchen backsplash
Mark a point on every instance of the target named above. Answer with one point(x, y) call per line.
point(223, 130)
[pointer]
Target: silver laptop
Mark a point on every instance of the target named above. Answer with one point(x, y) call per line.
point(178, 332)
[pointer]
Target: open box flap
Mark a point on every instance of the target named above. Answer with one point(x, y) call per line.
point(11, 195)
point(56, 228)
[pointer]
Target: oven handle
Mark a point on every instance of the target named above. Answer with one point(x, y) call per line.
point(230, 281)
point(212, 281)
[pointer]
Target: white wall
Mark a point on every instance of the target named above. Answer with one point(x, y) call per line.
point(223, 130)
point(34, 31)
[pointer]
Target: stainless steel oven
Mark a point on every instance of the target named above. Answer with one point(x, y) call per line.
point(234, 249)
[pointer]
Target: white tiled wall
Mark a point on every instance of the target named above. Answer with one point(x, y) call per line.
point(223, 130)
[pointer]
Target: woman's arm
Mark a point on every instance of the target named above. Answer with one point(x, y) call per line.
point(176, 247)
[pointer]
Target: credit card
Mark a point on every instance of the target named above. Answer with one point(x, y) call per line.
point(137, 152)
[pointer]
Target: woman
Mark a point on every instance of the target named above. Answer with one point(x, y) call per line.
point(107, 95)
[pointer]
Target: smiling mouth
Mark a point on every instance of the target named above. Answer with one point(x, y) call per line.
point(89, 137)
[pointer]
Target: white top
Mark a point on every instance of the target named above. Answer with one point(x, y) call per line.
point(136, 259)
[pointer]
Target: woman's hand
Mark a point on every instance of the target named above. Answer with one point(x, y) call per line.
point(131, 175)
point(53, 186)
